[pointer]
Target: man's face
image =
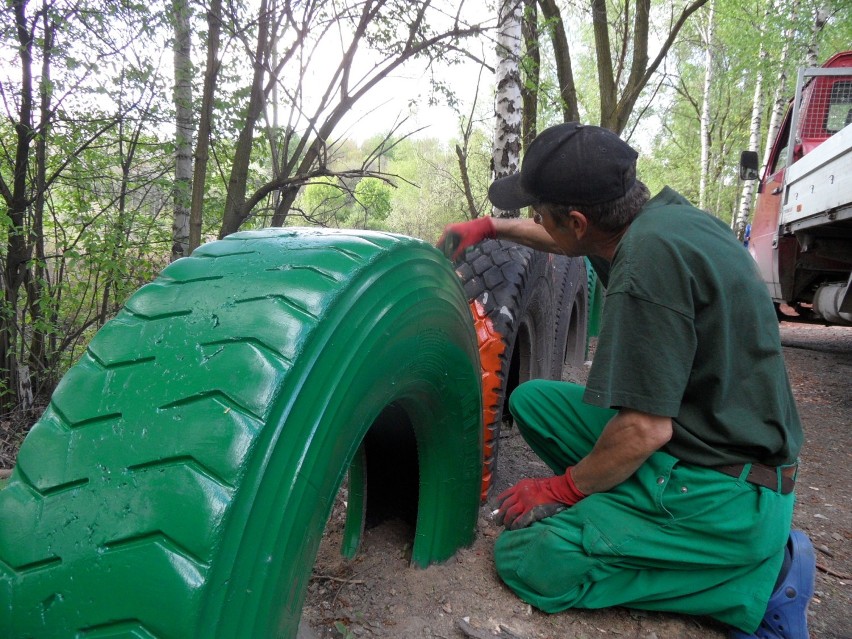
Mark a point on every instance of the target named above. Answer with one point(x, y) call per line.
point(560, 227)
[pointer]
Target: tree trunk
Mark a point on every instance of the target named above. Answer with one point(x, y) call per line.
point(603, 54)
point(121, 227)
point(39, 366)
point(562, 54)
point(747, 193)
point(531, 75)
point(461, 154)
point(202, 147)
point(779, 98)
point(706, 140)
point(234, 215)
point(508, 102)
point(740, 220)
point(618, 95)
point(307, 156)
point(18, 248)
point(820, 18)
point(183, 133)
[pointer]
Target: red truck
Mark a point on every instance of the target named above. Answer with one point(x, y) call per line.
point(801, 235)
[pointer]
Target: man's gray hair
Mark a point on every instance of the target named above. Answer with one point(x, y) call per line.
point(609, 216)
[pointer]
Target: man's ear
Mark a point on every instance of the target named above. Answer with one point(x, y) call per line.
point(578, 223)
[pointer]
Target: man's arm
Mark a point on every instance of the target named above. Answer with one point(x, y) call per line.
point(524, 230)
point(457, 237)
point(625, 443)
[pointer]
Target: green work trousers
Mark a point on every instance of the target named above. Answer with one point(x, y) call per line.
point(674, 537)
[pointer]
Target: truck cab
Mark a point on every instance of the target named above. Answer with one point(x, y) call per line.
point(801, 234)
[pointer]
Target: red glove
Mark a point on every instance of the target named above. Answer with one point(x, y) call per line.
point(532, 499)
point(457, 237)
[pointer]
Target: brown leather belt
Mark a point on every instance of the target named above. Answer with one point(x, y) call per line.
point(766, 476)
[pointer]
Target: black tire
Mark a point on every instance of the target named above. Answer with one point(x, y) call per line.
point(523, 302)
point(572, 311)
point(179, 483)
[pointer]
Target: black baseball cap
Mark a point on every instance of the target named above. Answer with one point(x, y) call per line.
point(569, 163)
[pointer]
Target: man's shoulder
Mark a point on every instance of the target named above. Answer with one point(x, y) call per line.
point(668, 197)
point(668, 208)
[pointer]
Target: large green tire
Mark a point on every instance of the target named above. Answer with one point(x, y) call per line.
point(179, 483)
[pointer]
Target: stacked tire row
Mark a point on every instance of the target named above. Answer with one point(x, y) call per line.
point(179, 483)
point(530, 309)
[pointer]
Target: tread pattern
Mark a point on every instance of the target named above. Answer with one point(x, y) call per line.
point(123, 496)
point(571, 303)
point(509, 287)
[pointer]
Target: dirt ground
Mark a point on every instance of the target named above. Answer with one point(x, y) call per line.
point(379, 595)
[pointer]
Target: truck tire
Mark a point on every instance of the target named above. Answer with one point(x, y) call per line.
point(529, 311)
point(571, 304)
point(179, 483)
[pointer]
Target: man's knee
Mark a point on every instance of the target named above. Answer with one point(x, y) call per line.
point(523, 397)
point(542, 567)
point(539, 399)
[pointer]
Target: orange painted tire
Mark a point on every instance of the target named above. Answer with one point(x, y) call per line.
point(529, 310)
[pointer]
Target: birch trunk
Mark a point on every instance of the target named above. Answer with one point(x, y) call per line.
point(779, 97)
point(508, 110)
point(183, 132)
point(747, 194)
point(820, 18)
point(705, 108)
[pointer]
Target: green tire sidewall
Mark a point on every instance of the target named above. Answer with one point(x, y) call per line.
point(416, 350)
point(179, 482)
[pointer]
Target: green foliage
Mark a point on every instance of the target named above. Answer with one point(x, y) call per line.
point(94, 188)
point(343, 203)
point(421, 191)
point(373, 196)
point(96, 212)
point(669, 129)
point(430, 194)
point(325, 202)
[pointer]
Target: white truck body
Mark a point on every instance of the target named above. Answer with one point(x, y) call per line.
point(801, 233)
point(819, 186)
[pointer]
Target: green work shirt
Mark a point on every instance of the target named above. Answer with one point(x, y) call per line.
point(689, 331)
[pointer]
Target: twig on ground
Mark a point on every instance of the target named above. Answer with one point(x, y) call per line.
point(479, 633)
point(829, 571)
point(344, 580)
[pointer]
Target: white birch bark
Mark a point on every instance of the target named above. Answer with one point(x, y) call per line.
point(183, 129)
point(508, 101)
point(705, 107)
point(820, 18)
point(779, 98)
point(748, 188)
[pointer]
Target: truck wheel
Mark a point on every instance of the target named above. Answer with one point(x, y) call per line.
point(522, 302)
point(179, 483)
point(571, 295)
